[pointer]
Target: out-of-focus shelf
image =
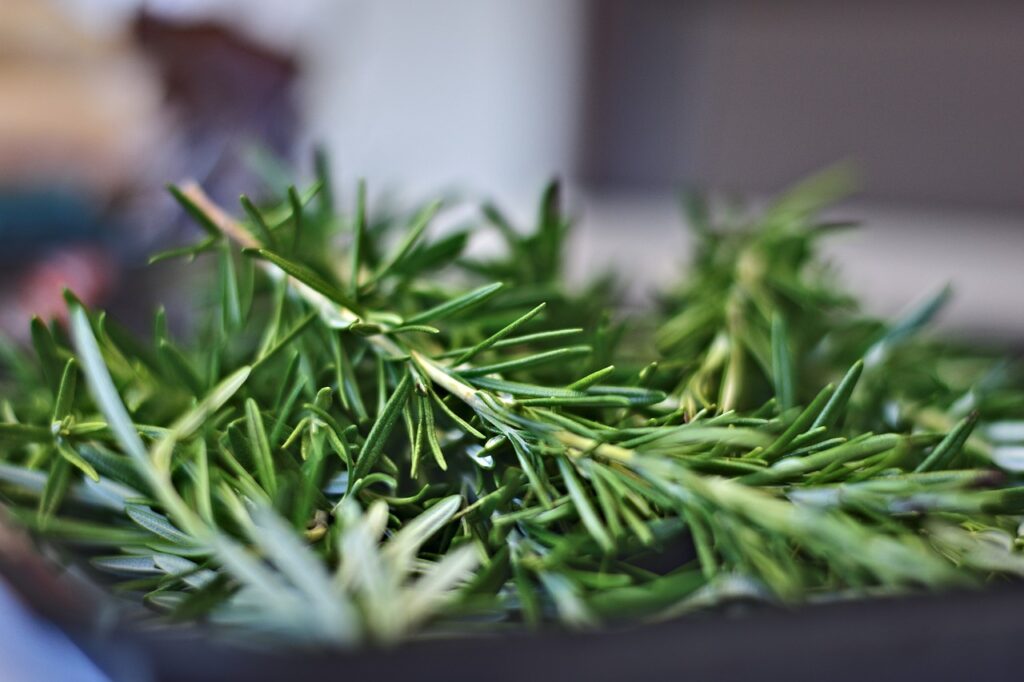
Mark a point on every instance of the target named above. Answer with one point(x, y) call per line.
point(897, 256)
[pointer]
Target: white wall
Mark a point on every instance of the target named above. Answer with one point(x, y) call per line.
point(421, 95)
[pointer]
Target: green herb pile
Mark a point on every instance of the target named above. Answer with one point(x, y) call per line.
point(374, 435)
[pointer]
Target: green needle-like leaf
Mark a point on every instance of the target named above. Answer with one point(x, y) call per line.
point(950, 446)
point(528, 361)
point(456, 305)
point(371, 450)
point(306, 276)
point(261, 447)
point(419, 224)
point(782, 364)
point(195, 212)
point(837, 403)
point(497, 336)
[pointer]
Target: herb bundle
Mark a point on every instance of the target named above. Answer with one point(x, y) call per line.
point(374, 435)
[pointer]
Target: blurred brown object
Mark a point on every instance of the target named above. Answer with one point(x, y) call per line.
point(228, 92)
point(218, 74)
point(78, 108)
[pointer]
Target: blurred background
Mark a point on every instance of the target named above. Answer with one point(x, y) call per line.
point(104, 101)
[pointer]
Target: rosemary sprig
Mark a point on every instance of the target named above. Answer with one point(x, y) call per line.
point(369, 442)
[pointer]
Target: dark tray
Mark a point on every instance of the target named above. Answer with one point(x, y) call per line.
point(954, 636)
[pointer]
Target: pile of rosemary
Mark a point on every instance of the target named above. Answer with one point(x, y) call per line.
point(374, 435)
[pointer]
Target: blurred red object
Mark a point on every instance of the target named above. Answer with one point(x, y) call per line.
point(87, 271)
